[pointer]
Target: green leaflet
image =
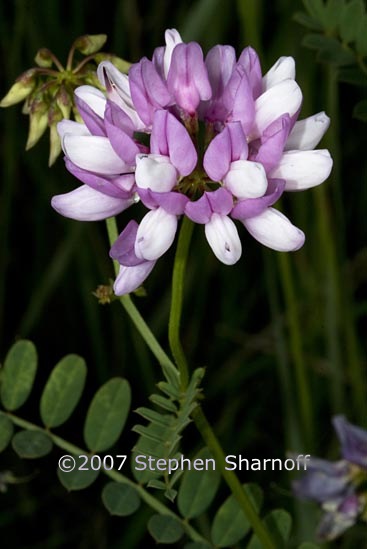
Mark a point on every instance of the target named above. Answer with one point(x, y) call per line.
point(18, 374)
point(160, 438)
point(120, 499)
point(6, 431)
point(63, 390)
point(198, 488)
point(279, 523)
point(31, 444)
point(230, 524)
point(82, 476)
point(165, 529)
point(107, 414)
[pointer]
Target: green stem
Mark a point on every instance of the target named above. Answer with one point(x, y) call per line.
point(166, 363)
point(230, 478)
point(296, 348)
point(113, 474)
point(177, 300)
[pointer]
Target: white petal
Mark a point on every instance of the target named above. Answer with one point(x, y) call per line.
point(285, 97)
point(130, 278)
point(155, 171)
point(303, 169)
point(118, 90)
point(72, 127)
point(172, 37)
point(284, 68)
point(155, 234)
point(93, 153)
point(87, 204)
point(222, 236)
point(306, 134)
point(93, 97)
point(274, 230)
point(246, 179)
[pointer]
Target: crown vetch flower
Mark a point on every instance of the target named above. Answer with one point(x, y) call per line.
point(209, 138)
point(338, 487)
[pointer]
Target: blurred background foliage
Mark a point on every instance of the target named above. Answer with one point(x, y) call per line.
point(282, 336)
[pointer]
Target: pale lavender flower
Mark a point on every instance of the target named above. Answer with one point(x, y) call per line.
point(338, 487)
point(209, 138)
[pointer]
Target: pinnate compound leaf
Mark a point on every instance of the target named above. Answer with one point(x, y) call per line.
point(198, 487)
point(230, 524)
point(279, 524)
point(360, 110)
point(107, 414)
point(73, 478)
point(120, 499)
point(316, 9)
point(63, 390)
point(31, 444)
point(6, 431)
point(165, 529)
point(18, 374)
point(307, 21)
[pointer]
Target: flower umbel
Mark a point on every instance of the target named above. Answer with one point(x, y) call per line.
point(339, 487)
point(211, 139)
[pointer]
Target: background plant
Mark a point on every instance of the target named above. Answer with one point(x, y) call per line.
point(280, 336)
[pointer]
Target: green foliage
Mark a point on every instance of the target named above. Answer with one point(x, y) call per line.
point(6, 431)
point(279, 524)
point(230, 525)
point(360, 110)
point(120, 499)
point(18, 374)
point(80, 477)
point(63, 390)
point(107, 414)
point(308, 545)
point(31, 444)
point(198, 488)
point(161, 437)
point(165, 529)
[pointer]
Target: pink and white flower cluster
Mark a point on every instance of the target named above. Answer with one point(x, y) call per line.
point(211, 139)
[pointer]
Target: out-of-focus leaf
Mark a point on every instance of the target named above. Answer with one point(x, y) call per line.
point(107, 414)
point(63, 390)
point(198, 488)
point(316, 9)
point(230, 524)
point(333, 14)
point(31, 444)
point(361, 42)
point(77, 479)
point(330, 49)
point(6, 431)
point(307, 21)
point(352, 75)
point(308, 545)
point(279, 524)
point(360, 110)
point(316, 41)
point(165, 529)
point(18, 374)
point(352, 15)
point(120, 499)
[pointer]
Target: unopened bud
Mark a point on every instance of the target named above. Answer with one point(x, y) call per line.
point(20, 90)
point(104, 294)
point(64, 102)
point(38, 121)
point(44, 58)
point(55, 145)
point(90, 43)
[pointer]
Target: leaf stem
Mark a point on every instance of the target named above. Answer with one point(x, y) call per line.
point(150, 500)
point(177, 300)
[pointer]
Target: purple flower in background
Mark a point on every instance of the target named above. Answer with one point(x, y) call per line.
point(339, 487)
point(209, 138)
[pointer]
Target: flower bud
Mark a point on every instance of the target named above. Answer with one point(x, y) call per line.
point(44, 58)
point(38, 120)
point(64, 102)
point(20, 90)
point(90, 43)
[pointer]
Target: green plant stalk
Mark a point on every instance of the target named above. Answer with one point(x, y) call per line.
point(177, 300)
point(198, 415)
point(150, 500)
point(231, 479)
point(296, 348)
point(166, 363)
